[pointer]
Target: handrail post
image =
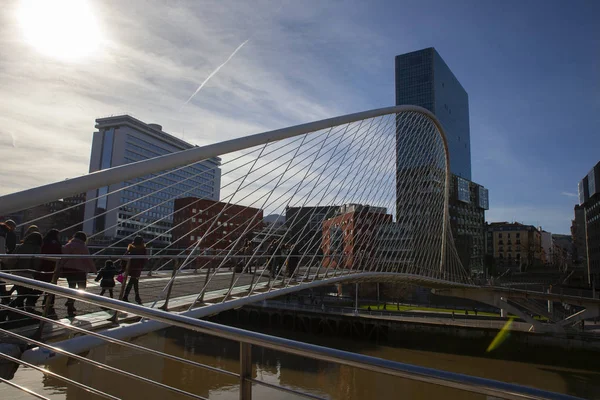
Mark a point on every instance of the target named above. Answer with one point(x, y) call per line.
point(49, 298)
point(151, 268)
point(165, 306)
point(201, 299)
point(113, 319)
point(245, 371)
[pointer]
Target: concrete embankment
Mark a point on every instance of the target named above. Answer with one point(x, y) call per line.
point(424, 333)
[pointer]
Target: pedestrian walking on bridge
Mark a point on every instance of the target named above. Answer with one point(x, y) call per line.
point(136, 265)
point(106, 276)
point(75, 270)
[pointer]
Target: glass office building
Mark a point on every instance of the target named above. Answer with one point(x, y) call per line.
point(144, 206)
point(424, 79)
point(589, 200)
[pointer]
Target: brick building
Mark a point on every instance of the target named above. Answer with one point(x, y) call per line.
point(352, 235)
point(55, 214)
point(194, 217)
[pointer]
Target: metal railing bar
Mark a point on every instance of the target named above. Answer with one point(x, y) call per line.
point(101, 366)
point(24, 389)
point(286, 389)
point(120, 257)
point(413, 372)
point(60, 377)
point(122, 342)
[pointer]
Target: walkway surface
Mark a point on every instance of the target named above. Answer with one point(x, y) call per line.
point(187, 286)
point(152, 291)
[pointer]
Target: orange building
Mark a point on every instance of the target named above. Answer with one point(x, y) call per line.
point(350, 237)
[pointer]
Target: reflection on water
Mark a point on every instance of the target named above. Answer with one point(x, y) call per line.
point(320, 378)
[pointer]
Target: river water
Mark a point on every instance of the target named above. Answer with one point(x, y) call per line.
point(320, 378)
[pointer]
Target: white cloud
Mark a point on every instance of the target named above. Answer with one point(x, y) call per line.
point(151, 60)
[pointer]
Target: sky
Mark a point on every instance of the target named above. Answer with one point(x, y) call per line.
point(531, 69)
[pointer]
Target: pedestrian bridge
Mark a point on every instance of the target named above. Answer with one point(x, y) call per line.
point(357, 198)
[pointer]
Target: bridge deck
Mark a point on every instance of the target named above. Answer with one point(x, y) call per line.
point(184, 292)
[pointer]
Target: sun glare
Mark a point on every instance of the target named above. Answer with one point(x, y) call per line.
point(63, 29)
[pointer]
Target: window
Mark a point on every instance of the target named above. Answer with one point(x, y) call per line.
point(192, 237)
point(500, 235)
point(194, 210)
point(193, 219)
point(518, 235)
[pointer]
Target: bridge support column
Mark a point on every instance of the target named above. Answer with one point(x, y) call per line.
point(536, 325)
point(356, 299)
point(588, 313)
point(499, 301)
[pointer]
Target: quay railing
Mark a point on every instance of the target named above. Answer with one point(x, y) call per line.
point(248, 341)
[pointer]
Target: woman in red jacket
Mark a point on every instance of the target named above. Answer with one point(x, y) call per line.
point(136, 265)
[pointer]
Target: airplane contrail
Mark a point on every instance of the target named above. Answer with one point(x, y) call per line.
point(214, 72)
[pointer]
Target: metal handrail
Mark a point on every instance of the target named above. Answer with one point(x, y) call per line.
point(99, 364)
point(417, 373)
point(122, 342)
point(59, 377)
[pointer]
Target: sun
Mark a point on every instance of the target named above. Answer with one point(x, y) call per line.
point(64, 29)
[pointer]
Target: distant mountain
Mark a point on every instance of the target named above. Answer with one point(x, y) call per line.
point(274, 217)
point(564, 241)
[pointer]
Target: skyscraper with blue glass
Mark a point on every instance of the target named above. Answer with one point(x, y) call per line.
point(424, 79)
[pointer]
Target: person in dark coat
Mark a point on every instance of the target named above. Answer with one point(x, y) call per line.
point(274, 251)
point(137, 248)
point(11, 236)
point(293, 259)
point(4, 229)
point(106, 276)
point(26, 267)
point(247, 251)
point(31, 229)
point(50, 245)
point(8, 243)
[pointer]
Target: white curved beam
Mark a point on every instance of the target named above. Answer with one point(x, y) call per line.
point(50, 192)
